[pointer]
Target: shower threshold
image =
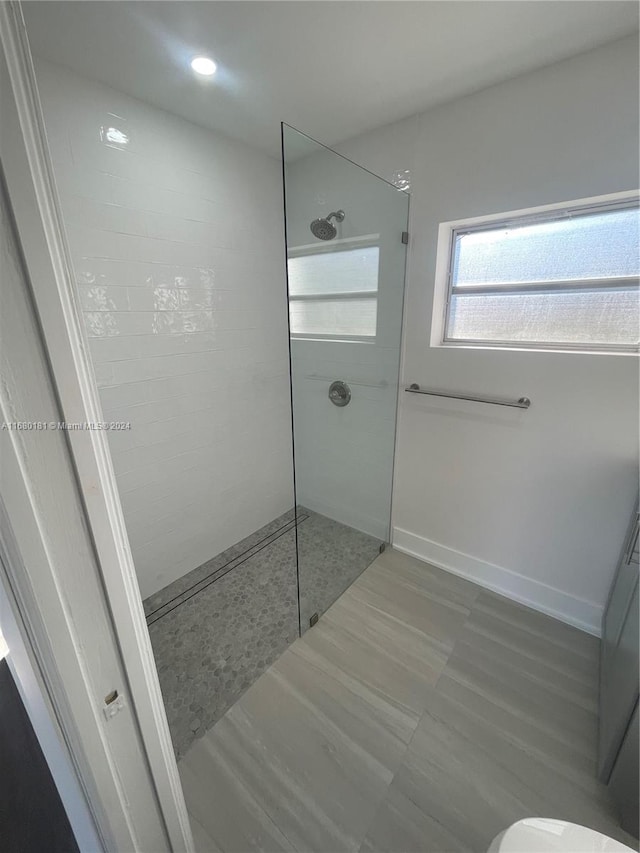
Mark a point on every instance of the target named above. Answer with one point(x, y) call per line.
point(215, 630)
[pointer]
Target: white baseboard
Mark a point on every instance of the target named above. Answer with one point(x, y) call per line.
point(585, 615)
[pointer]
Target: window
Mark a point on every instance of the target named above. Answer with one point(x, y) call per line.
point(562, 277)
point(333, 293)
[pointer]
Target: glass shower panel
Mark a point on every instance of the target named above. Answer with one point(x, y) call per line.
point(346, 267)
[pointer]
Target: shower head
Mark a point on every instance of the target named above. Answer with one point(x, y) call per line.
point(324, 229)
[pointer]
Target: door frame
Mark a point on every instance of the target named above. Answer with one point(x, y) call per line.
point(39, 222)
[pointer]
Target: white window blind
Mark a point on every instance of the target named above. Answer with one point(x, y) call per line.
point(334, 294)
point(568, 278)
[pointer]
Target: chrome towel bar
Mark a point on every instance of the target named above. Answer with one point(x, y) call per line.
point(522, 403)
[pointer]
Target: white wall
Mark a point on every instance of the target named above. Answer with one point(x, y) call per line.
point(178, 250)
point(535, 503)
point(344, 456)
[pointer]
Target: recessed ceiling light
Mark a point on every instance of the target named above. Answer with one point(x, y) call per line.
point(203, 65)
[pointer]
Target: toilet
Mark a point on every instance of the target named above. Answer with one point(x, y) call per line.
point(544, 835)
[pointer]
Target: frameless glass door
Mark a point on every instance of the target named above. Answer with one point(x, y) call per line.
point(346, 265)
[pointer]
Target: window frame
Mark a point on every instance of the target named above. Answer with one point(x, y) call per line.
point(331, 247)
point(445, 266)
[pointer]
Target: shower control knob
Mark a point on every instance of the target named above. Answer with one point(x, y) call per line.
point(339, 393)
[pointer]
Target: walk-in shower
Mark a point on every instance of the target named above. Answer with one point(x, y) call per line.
point(198, 346)
point(217, 628)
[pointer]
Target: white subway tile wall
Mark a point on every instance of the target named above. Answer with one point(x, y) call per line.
point(177, 243)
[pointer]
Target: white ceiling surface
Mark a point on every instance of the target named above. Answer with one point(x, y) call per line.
point(332, 69)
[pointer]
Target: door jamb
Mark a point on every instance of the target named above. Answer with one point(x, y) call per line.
point(31, 187)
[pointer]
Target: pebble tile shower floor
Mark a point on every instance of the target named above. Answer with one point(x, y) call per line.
point(218, 628)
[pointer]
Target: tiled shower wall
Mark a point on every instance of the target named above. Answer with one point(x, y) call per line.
point(176, 237)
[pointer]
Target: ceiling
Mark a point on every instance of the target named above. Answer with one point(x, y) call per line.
point(333, 69)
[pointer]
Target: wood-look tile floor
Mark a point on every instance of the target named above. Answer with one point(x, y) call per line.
point(422, 713)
